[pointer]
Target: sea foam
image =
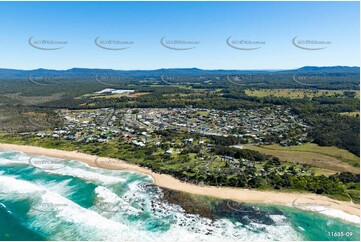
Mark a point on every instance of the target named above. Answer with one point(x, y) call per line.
point(335, 213)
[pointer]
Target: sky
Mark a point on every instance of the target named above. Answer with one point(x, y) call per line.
point(261, 35)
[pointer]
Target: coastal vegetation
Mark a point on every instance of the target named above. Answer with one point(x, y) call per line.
point(192, 165)
point(320, 155)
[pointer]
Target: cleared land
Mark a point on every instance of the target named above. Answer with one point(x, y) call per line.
point(33, 100)
point(331, 158)
point(351, 114)
point(296, 93)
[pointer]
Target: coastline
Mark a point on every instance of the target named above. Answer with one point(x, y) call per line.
point(305, 201)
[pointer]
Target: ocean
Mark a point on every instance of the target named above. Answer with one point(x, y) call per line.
point(43, 198)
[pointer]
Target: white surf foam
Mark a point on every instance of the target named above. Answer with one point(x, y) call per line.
point(335, 213)
point(17, 158)
point(192, 227)
point(61, 187)
point(10, 187)
point(74, 222)
point(55, 211)
point(87, 175)
point(108, 202)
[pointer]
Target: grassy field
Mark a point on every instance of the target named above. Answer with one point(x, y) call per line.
point(351, 114)
point(330, 158)
point(33, 100)
point(294, 93)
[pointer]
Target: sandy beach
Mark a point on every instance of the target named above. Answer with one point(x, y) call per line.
point(308, 201)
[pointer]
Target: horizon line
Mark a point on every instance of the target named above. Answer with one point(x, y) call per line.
point(95, 68)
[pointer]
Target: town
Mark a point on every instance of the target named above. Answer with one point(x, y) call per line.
point(255, 126)
point(187, 139)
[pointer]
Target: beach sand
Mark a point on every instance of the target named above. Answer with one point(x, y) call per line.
point(308, 201)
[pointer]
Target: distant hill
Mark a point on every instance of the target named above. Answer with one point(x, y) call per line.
point(330, 69)
point(87, 72)
point(84, 72)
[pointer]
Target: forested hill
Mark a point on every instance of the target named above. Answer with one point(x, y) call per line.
point(86, 72)
point(331, 69)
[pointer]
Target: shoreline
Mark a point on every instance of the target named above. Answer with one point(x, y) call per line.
point(304, 201)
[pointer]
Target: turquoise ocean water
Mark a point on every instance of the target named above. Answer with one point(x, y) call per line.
point(52, 199)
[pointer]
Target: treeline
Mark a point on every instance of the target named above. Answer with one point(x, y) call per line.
point(226, 141)
point(336, 130)
point(251, 155)
point(329, 127)
point(332, 186)
point(322, 113)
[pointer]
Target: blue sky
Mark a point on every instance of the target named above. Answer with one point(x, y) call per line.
point(207, 23)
